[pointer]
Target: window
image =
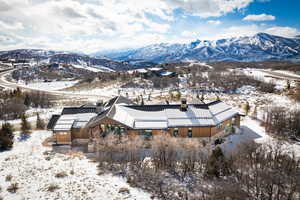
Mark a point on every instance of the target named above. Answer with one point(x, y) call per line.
point(175, 132)
point(190, 132)
point(63, 133)
point(146, 133)
point(219, 126)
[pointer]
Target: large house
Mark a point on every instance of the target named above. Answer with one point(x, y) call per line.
point(121, 116)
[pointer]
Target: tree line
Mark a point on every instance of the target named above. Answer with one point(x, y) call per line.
point(14, 103)
point(170, 168)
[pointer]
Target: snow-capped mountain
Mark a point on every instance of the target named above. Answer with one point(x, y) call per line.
point(260, 47)
point(61, 57)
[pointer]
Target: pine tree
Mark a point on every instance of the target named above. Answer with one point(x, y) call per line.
point(27, 100)
point(288, 84)
point(40, 124)
point(25, 125)
point(6, 136)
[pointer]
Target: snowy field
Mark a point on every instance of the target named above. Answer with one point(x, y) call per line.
point(49, 86)
point(34, 171)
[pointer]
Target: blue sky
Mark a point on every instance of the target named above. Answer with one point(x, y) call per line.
point(98, 25)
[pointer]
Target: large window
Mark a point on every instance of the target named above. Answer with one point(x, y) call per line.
point(146, 133)
point(190, 132)
point(175, 132)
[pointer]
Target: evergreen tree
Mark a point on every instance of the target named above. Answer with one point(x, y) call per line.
point(40, 124)
point(6, 136)
point(216, 164)
point(27, 100)
point(288, 84)
point(25, 125)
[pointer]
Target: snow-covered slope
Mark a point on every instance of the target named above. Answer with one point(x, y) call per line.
point(260, 47)
point(46, 56)
point(34, 171)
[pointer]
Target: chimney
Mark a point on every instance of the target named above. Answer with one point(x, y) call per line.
point(99, 106)
point(183, 106)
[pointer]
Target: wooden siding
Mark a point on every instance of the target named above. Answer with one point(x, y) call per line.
point(79, 133)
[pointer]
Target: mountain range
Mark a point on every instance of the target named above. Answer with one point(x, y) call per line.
point(260, 47)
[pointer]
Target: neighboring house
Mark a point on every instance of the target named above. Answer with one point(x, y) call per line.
point(121, 116)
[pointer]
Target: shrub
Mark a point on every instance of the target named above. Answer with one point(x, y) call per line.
point(52, 188)
point(13, 188)
point(61, 175)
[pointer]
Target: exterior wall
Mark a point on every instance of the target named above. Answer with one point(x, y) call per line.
point(201, 131)
point(221, 127)
point(182, 131)
point(79, 134)
point(63, 137)
point(238, 121)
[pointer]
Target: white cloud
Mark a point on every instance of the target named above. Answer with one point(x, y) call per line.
point(236, 31)
point(11, 26)
point(214, 22)
point(283, 31)
point(189, 34)
point(209, 8)
point(92, 25)
point(261, 17)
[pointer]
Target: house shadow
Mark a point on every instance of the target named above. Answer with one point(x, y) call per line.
point(233, 143)
point(24, 137)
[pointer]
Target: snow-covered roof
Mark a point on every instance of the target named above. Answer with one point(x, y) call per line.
point(67, 122)
point(166, 116)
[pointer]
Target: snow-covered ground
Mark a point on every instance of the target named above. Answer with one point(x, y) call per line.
point(252, 131)
point(94, 69)
point(34, 171)
point(49, 86)
point(44, 113)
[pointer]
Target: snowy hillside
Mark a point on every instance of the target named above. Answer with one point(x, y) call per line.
point(34, 168)
point(259, 47)
point(38, 56)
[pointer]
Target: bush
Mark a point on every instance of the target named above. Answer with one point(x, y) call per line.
point(61, 175)
point(13, 188)
point(52, 188)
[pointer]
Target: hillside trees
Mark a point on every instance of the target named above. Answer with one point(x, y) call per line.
point(14, 103)
point(6, 136)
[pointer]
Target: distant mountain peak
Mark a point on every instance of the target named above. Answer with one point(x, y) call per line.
point(259, 47)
